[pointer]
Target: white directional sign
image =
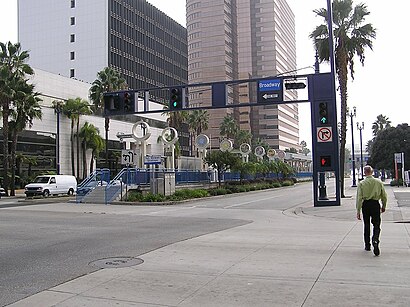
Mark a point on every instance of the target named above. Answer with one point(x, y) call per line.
point(270, 96)
point(152, 159)
point(324, 134)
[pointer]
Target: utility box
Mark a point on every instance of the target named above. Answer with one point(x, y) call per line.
point(163, 183)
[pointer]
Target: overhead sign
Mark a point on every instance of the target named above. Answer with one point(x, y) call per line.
point(270, 90)
point(324, 134)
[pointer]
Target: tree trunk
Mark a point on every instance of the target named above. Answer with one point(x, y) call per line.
point(84, 160)
point(78, 147)
point(13, 163)
point(6, 111)
point(72, 148)
point(342, 76)
point(92, 162)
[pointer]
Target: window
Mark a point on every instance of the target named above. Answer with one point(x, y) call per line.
point(72, 73)
point(72, 21)
point(72, 55)
point(72, 4)
point(72, 38)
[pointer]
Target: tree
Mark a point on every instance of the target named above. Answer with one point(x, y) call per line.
point(198, 121)
point(13, 68)
point(91, 139)
point(382, 122)
point(229, 127)
point(222, 161)
point(304, 150)
point(388, 142)
point(73, 108)
point(27, 109)
point(108, 80)
point(352, 36)
point(241, 137)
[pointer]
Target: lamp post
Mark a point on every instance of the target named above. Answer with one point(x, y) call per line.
point(353, 114)
point(360, 128)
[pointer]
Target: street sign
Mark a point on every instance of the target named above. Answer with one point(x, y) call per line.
point(270, 90)
point(324, 134)
point(397, 157)
point(128, 157)
point(152, 159)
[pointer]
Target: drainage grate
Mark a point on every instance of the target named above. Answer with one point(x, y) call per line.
point(116, 262)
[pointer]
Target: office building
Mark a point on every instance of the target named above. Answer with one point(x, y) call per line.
point(242, 39)
point(78, 38)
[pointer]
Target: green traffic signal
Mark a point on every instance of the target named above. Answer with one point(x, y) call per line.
point(323, 113)
point(176, 98)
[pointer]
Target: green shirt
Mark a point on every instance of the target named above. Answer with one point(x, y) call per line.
point(370, 188)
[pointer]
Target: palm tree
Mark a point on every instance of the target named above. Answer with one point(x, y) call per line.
point(13, 68)
point(241, 137)
point(352, 36)
point(382, 122)
point(229, 127)
point(198, 121)
point(91, 139)
point(27, 109)
point(97, 145)
point(108, 80)
point(73, 108)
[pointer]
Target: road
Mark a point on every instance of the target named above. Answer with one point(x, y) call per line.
point(42, 246)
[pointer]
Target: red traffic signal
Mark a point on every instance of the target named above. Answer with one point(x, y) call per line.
point(325, 161)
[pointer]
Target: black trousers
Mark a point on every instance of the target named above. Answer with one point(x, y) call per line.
point(371, 213)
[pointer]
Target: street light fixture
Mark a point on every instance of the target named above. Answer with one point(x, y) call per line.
point(353, 114)
point(360, 128)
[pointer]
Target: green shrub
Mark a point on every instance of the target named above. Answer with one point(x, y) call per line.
point(394, 182)
point(276, 184)
point(134, 196)
point(149, 197)
point(287, 183)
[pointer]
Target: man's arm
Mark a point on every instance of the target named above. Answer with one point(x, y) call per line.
point(359, 200)
point(383, 199)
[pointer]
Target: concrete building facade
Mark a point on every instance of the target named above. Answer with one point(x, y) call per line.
point(242, 39)
point(78, 38)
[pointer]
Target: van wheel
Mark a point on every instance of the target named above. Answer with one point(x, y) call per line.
point(70, 192)
point(46, 193)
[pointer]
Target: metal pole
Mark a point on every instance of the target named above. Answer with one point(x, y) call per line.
point(107, 127)
point(361, 146)
point(353, 157)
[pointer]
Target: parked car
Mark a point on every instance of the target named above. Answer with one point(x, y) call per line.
point(2, 192)
point(47, 185)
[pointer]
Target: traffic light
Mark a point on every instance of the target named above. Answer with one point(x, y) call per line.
point(323, 113)
point(129, 103)
point(112, 104)
point(325, 161)
point(176, 98)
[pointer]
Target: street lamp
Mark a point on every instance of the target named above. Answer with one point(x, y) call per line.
point(353, 114)
point(360, 128)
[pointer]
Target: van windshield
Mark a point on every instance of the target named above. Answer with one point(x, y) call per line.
point(41, 179)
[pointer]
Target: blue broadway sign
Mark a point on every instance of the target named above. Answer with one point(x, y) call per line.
point(270, 85)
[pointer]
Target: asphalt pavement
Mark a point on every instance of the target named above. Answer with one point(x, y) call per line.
point(303, 256)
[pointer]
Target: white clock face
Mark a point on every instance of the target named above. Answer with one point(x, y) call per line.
point(202, 141)
point(225, 145)
point(245, 148)
point(259, 151)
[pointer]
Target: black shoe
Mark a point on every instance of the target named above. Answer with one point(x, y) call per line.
point(367, 248)
point(376, 249)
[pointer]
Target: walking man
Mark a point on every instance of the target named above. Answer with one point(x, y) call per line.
point(369, 192)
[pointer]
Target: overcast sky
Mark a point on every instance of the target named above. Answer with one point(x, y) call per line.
point(378, 88)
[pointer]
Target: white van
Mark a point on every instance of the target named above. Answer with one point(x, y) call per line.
point(47, 185)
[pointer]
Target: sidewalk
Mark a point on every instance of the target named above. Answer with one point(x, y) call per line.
point(301, 257)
